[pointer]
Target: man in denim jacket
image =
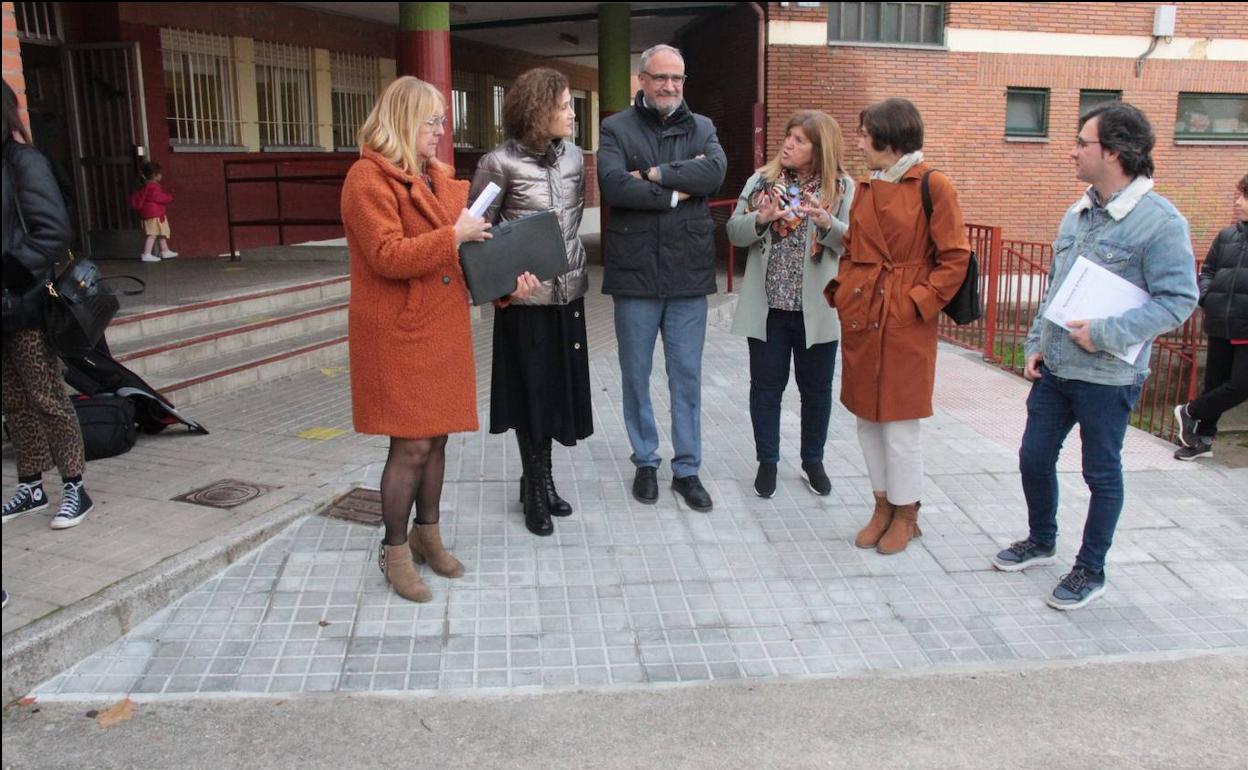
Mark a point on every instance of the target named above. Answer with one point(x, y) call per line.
point(1125, 227)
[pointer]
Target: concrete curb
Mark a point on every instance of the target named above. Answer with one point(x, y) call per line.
point(38, 651)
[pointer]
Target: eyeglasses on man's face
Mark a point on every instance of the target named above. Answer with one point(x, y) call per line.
point(1081, 143)
point(676, 80)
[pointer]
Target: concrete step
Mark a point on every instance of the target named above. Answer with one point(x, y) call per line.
point(268, 302)
point(252, 366)
point(174, 353)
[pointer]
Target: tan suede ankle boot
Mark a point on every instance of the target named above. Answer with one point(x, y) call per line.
point(400, 572)
point(869, 535)
point(905, 527)
point(427, 547)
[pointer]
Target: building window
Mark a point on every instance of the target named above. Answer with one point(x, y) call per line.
point(887, 23)
point(1089, 99)
point(500, 95)
point(1212, 117)
point(1027, 112)
point(354, 84)
point(580, 129)
point(284, 95)
point(200, 107)
point(38, 22)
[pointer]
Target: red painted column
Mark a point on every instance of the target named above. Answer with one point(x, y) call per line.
point(424, 51)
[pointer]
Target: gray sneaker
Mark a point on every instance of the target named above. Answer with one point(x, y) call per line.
point(1202, 448)
point(1076, 589)
point(1024, 554)
point(1186, 425)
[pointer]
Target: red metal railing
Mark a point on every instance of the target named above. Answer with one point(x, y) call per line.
point(1013, 278)
point(721, 212)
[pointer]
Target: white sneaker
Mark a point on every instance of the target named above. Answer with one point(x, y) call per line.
point(168, 254)
point(149, 258)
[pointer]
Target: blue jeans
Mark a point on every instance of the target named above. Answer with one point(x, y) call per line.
point(769, 376)
point(682, 322)
point(1053, 408)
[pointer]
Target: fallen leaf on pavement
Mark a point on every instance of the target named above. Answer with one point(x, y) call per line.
point(117, 713)
point(29, 699)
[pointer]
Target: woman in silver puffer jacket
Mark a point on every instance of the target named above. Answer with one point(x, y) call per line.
point(539, 386)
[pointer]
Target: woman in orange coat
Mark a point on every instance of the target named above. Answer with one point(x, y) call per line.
point(412, 369)
point(899, 271)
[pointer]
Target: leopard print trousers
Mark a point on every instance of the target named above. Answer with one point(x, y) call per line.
point(42, 422)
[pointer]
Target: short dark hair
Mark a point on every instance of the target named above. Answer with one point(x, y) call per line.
point(529, 104)
point(1123, 129)
point(149, 170)
point(1243, 185)
point(893, 123)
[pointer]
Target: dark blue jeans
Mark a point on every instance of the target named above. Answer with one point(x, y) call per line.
point(1053, 408)
point(769, 376)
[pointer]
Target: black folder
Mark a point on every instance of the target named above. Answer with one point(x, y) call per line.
point(532, 244)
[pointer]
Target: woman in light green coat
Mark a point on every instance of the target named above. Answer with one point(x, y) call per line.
point(792, 216)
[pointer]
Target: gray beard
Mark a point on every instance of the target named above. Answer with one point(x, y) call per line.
point(665, 113)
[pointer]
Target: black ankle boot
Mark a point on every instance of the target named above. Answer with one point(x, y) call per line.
point(532, 491)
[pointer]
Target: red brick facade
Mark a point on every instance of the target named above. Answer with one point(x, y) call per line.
point(1023, 186)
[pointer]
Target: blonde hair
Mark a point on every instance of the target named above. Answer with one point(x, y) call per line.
point(828, 150)
point(393, 127)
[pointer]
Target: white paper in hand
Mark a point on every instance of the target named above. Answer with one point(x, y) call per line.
point(1090, 291)
point(483, 201)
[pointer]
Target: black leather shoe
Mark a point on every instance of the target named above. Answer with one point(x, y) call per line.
point(815, 478)
point(696, 496)
point(646, 486)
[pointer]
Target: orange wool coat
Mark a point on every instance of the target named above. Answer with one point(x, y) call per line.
point(408, 326)
point(897, 273)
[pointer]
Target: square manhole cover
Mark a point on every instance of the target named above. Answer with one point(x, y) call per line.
point(227, 493)
point(362, 506)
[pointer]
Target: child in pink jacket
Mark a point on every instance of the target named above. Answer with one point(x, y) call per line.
point(150, 201)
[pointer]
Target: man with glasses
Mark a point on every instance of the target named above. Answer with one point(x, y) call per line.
point(658, 163)
point(1122, 225)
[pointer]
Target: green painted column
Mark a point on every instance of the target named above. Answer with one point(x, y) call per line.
point(614, 53)
point(424, 51)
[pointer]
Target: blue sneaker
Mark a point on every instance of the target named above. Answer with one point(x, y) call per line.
point(1024, 554)
point(1077, 588)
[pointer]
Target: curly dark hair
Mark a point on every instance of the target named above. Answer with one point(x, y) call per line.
point(1243, 185)
point(530, 102)
point(1123, 129)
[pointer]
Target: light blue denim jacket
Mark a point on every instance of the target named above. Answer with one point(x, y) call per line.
point(1142, 237)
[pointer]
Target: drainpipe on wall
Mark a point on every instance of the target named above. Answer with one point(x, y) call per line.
point(760, 108)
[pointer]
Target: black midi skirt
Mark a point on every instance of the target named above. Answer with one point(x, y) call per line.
point(540, 379)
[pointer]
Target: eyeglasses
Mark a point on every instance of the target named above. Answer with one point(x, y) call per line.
point(435, 121)
point(676, 80)
point(1080, 142)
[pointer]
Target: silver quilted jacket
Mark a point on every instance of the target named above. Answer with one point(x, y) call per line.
point(531, 183)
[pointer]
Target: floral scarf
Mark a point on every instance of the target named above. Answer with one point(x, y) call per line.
point(791, 190)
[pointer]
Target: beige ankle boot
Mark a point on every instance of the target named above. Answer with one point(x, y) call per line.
point(905, 527)
point(427, 547)
point(869, 535)
point(400, 572)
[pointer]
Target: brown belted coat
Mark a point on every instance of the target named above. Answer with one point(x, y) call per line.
point(897, 273)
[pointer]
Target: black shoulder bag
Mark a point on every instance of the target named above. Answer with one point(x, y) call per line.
point(966, 306)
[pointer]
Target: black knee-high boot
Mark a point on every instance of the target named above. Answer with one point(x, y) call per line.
point(532, 490)
point(556, 504)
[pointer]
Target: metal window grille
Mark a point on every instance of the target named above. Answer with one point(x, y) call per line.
point(500, 95)
point(468, 95)
point(354, 84)
point(284, 95)
point(200, 104)
point(38, 22)
point(887, 23)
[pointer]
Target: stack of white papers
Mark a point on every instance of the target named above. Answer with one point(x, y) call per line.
point(1090, 291)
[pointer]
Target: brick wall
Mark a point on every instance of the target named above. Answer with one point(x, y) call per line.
point(1024, 187)
point(13, 58)
point(1192, 20)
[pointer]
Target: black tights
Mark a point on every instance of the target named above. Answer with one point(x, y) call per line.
point(413, 473)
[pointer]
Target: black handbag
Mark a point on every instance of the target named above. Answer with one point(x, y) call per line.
point(966, 306)
point(82, 306)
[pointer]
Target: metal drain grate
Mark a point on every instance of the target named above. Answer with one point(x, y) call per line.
point(227, 493)
point(362, 506)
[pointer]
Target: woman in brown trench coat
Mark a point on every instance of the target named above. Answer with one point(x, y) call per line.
point(410, 340)
point(898, 272)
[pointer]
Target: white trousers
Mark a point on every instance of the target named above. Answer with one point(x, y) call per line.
point(894, 455)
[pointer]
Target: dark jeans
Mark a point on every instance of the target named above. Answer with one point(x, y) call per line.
point(1226, 384)
point(769, 376)
point(1053, 408)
